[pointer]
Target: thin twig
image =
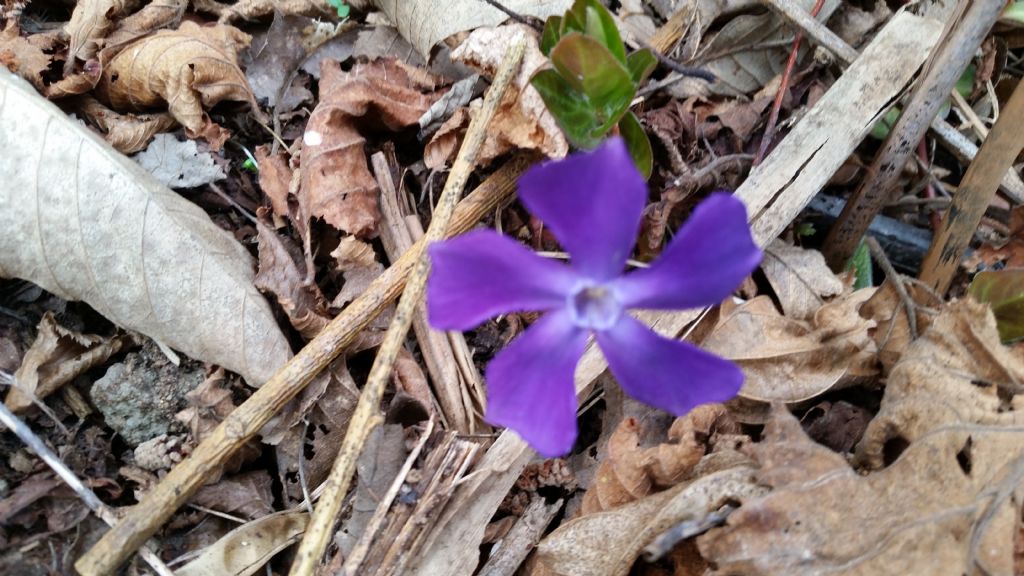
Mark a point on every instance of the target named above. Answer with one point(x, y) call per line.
point(366, 415)
point(773, 116)
point(514, 15)
point(89, 498)
point(897, 282)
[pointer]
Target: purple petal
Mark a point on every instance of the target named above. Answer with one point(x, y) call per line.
point(592, 202)
point(709, 257)
point(668, 374)
point(482, 274)
point(530, 387)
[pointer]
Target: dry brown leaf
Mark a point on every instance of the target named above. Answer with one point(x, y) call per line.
point(155, 15)
point(424, 23)
point(22, 57)
point(295, 289)
point(440, 150)
point(187, 70)
point(957, 372)
point(245, 550)
point(522, 119)
point(127, 133)
point(947, 503)
point(336, 182)
point(89, 24)
point(787, 360)
point(56, 357)
point(209, 404)
point(252, 9)
point(608, 543)
point(800, 278)
point(94, 226)
point(892, 335)
point(248, 495)
point(630, 472)
point(275, 179)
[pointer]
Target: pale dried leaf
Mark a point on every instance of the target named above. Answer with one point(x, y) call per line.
point(245, 550)
point(442, 147)
point(425, 23)
point(179, 164)
point(786, 360)
point(95, 226)
point(945, 504)
point(800, 278)
point(522, 120)
point(89, 24)
point(252, 9)
point(155, 15)
point(336, 182)
point(127, 133)
point(187, 70)
point(57, 356)
point(458, 96)
point(609, 542)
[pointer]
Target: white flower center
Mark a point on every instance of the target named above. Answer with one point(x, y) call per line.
point(594, 307)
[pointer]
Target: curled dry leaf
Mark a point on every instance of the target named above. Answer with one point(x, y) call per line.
point(425, 23)
point(630, 472)
point(245, 550)
point(609, 542)
point(84, 222)
point(522, 119)
point(957, 372)
point(295, 289)
point(187, 70)
point(56, 357)
point(787, 360)
point(89, 24)
point(886, 308)
point(155, 15)
point(127, 133)
point(800, 278)
point(945, 506)
point(359, 266)
point(336, 182)
point(275, 179)
point(21, 56)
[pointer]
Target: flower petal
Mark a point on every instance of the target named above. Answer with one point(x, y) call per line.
point(482, 274)
point(592, 201)
point(530, 386)
point(668, 374)
point(709, 257)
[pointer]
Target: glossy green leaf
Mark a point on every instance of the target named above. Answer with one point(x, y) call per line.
point(570, 108)
point(552, 32)
point(639, 146)
point(640, 64)
point(860, 263)
point(594, 72)
point(601, 26)
point(1004, 291)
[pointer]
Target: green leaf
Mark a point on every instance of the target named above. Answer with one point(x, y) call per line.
point(1015, 12)
point(340, 6)
point(640, 64)
point(552, 32)
point(1004, 291)
point(570, 108)
point(594, 72)
point(601, 26)
point(965, 83)
point(636, 141)
point(880, 131)
point(861, 264)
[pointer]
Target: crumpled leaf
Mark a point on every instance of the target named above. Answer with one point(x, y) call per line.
point(1004, 291)
point(424, 23)
point(609, 542)
point(800, 278)
point(336, 183)
point(56, 357)
point(94, 226)
point(179, 164)
point(787, 360)
point(248, 495)
point(209, 404)
point(187, 70)
point(155, 15)
point(127, 133)
point(295, 289)
point(522, 119)
point(274, 55)
point(630, 472)
point(359, 266)
point(892, 335)
point(245, 550)
point(253, 9)
point(1009, 253)
point(21, 56)
point(89, 24)
point(958, 372)
point(945, 504)
point(275, 179)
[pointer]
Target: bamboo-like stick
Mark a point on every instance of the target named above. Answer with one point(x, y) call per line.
point(975, 193)
point(367, 412)
point(245, 421)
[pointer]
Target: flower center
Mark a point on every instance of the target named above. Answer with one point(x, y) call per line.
point(595, 307)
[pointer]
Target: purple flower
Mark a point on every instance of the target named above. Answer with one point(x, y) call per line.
point(592, 202)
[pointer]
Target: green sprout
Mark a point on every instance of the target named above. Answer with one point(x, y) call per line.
point(593, 81)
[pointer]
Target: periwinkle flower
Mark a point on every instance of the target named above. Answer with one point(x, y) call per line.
point(593, 204)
